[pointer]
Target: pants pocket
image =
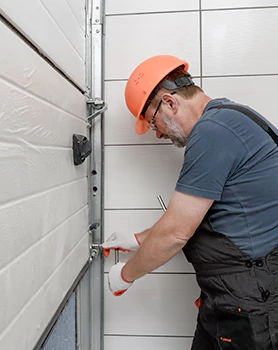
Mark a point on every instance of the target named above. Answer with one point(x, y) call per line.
point(234, 330)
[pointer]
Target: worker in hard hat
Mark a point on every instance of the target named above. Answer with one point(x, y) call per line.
point(223, 213)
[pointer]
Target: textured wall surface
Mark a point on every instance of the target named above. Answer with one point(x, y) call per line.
point(232, 52)
point(43, 202)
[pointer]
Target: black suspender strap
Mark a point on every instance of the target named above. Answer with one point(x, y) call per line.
point(252, 116)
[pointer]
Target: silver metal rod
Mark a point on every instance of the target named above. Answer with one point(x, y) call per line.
point(117, 256)
point(163, 206)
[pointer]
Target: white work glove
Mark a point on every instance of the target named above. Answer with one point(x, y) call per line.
point(117, 285)
point(120, 241)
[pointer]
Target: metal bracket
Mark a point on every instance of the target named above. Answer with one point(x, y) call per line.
point(98, 104)
point(95, 250)
point(97, 12)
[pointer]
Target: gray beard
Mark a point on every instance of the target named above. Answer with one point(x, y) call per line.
point(174, 132)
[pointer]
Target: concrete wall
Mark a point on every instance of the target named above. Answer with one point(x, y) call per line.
point(232, 52)
point(43, 202)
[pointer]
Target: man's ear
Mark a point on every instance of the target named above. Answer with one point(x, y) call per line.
point(170, 101)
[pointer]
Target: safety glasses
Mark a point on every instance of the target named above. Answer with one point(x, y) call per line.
point(152, 125)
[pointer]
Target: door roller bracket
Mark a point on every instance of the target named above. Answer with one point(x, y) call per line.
point(98, 105)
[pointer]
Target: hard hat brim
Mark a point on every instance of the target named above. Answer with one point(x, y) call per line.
point(141, 125)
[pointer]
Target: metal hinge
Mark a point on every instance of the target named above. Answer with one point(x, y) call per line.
point(94, 249)
point(98, 104)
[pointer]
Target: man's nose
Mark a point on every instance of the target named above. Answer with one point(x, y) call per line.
point(159, 134)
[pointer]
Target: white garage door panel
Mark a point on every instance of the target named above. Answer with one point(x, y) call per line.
point(78, 9)
point(65, 19)
point(27, 273)
point(26, 170)
point(43, 202)
point(260, 93)
point(134, 221)
point(220, 4)
point(119, 123)
point(146, 35)
point(238, 41)
point(36, 23)
point(134, 176)
point(28, 119)
point(139, 343)
point(33, 318)
point(127, 6)
point(31, 219)
point(155, 305)
point(31, 70)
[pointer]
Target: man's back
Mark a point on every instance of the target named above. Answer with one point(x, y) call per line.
point(230, 159)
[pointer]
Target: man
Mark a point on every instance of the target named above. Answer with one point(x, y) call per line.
point(223, 213)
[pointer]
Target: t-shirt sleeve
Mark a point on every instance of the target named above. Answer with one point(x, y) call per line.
point(213, 154)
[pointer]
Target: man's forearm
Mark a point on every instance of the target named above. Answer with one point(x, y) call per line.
point(142, 235)
point(158, 247)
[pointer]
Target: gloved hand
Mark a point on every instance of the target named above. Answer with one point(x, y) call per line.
point(120, 241)
point(117, 285)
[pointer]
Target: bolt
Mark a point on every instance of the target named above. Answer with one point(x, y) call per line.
point(97, 8)
point(97, 20)
point(94, 252)
point(97, 31)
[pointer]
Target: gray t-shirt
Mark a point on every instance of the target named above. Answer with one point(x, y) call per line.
point(231, 160)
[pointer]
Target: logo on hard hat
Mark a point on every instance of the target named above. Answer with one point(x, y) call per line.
point(136, 81)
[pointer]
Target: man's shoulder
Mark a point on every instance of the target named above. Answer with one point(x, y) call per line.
point(216, 119)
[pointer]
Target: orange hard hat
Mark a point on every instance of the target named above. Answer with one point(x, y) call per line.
point(142, 82)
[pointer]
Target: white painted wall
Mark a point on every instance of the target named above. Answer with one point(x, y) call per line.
point(231, 48)
point(43, 202)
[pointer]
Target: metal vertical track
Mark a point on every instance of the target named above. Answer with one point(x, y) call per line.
point(94, 83)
